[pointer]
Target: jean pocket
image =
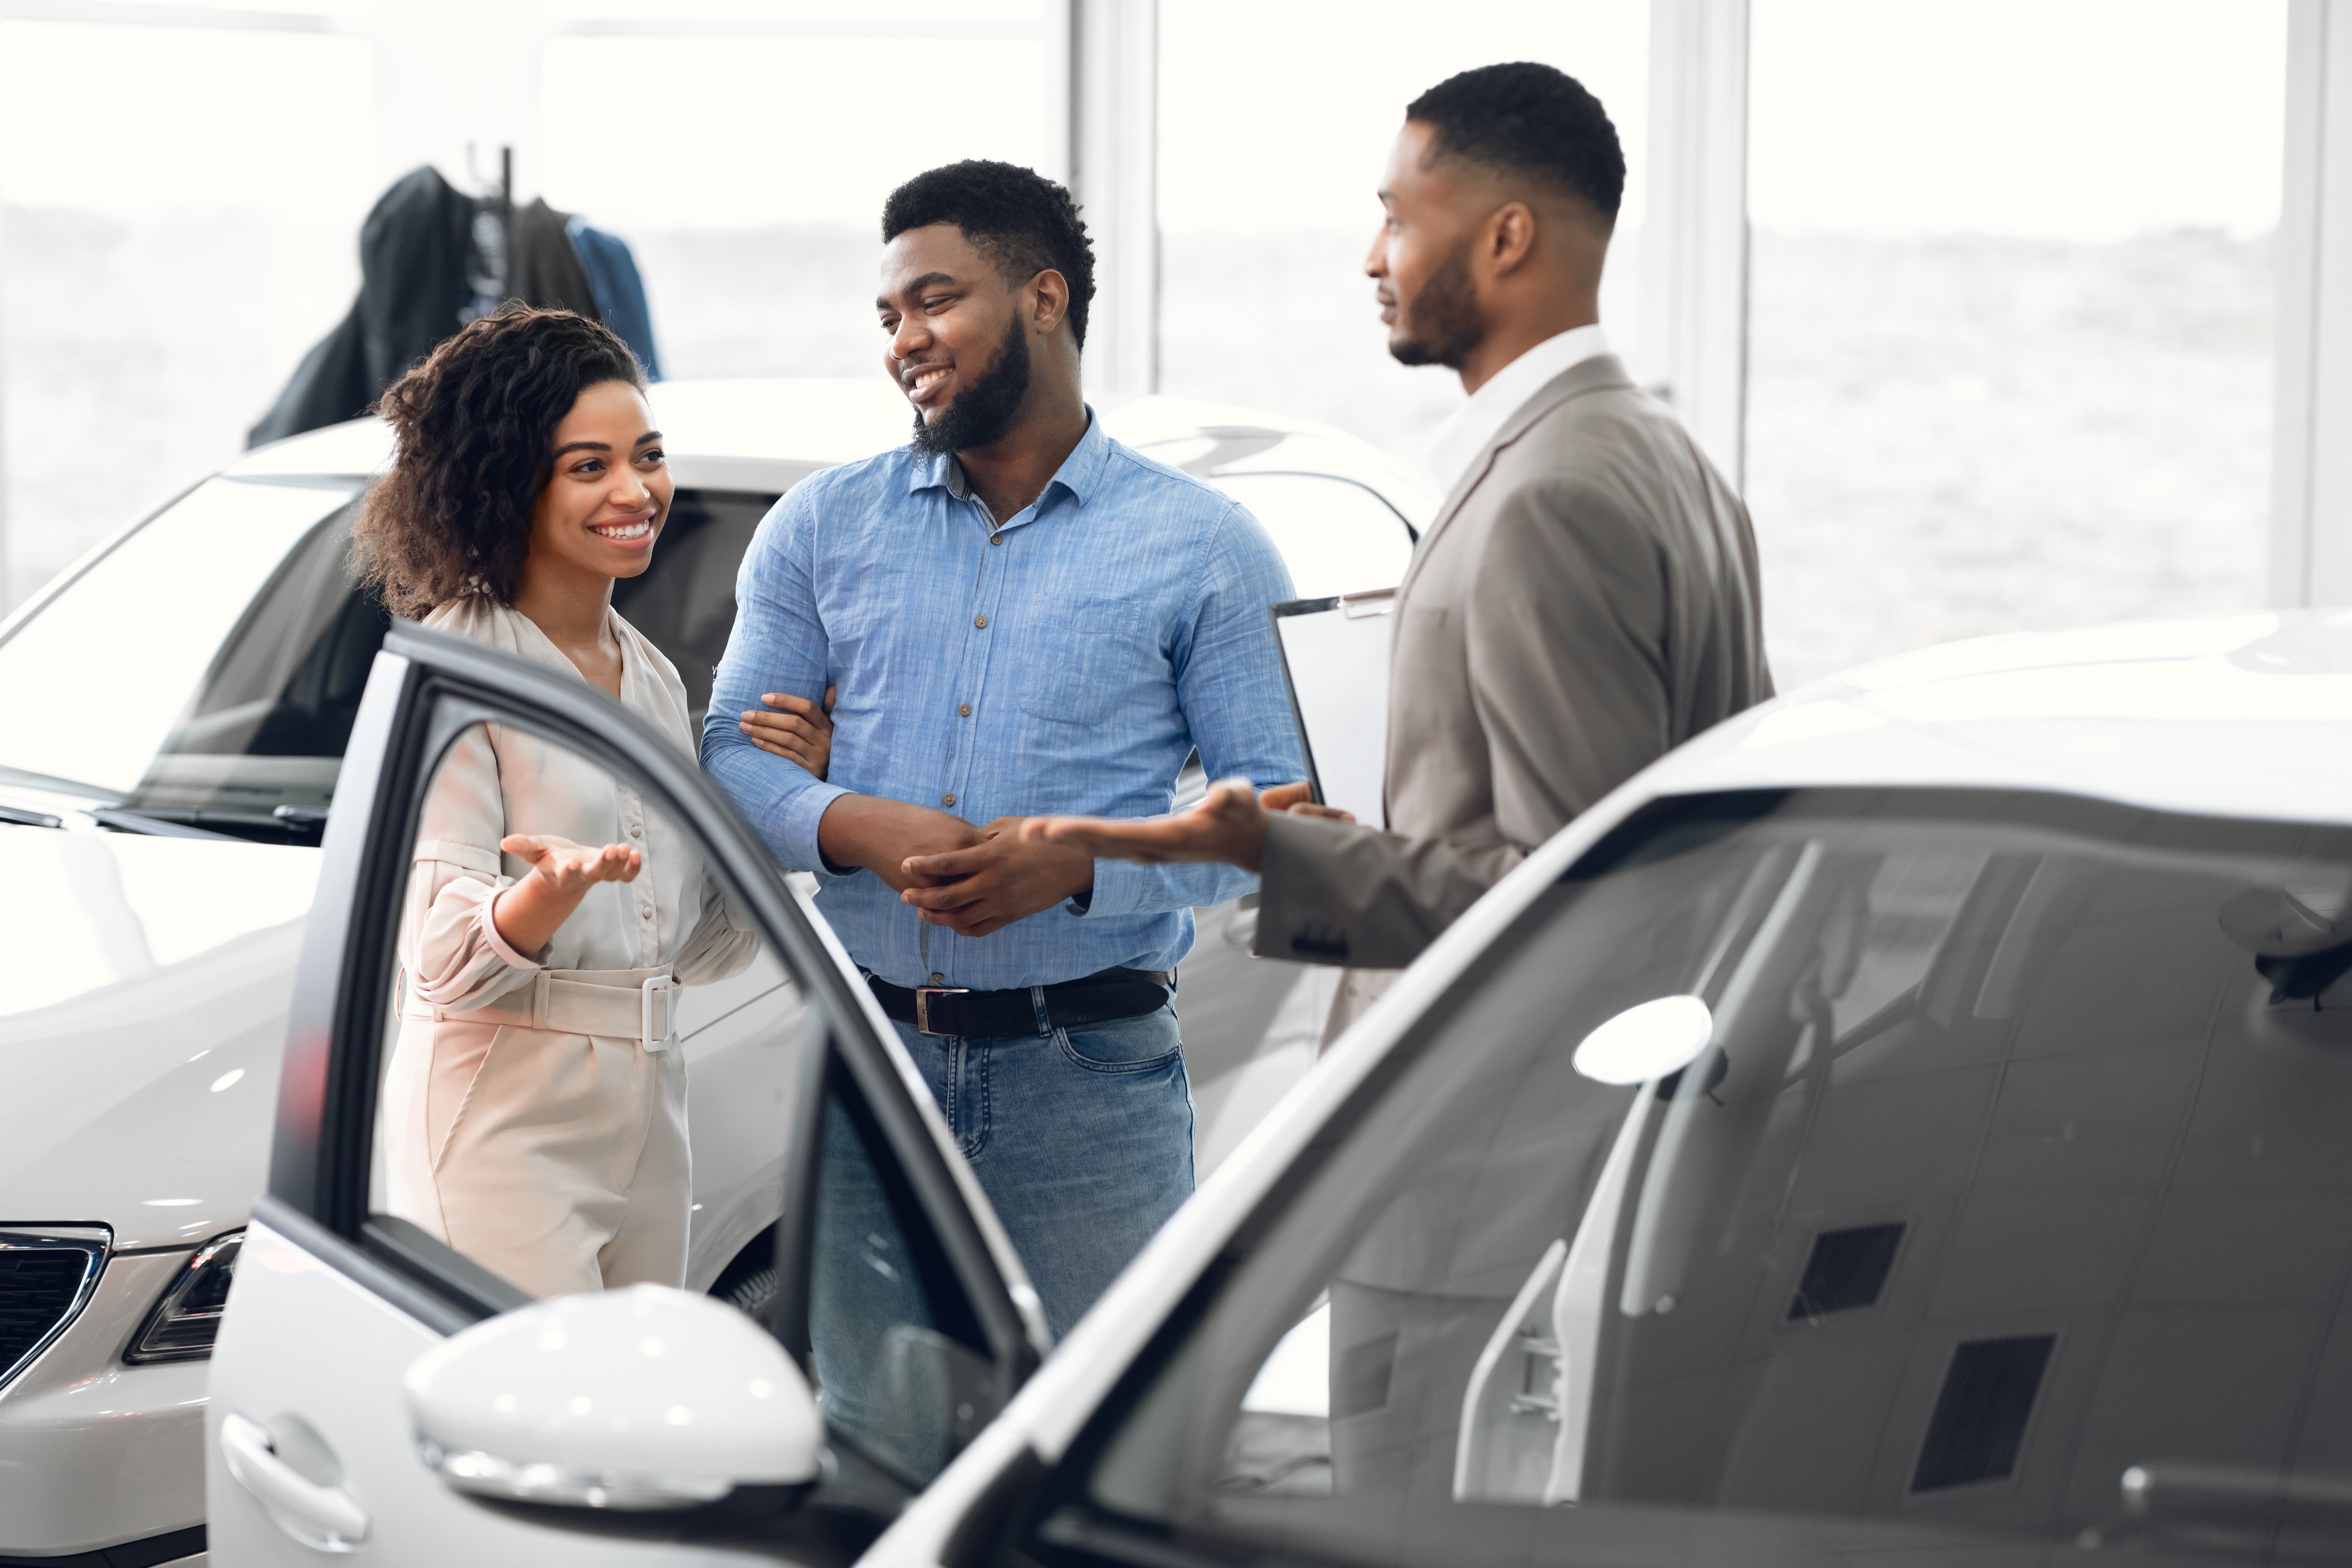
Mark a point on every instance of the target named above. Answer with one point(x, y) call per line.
point(1123, 1044)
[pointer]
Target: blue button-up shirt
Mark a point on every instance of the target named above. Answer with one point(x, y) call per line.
point(1065, 661)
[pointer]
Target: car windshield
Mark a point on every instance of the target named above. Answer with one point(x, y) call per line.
point(206, 670)
point(1919, 1175)
point(147, 673)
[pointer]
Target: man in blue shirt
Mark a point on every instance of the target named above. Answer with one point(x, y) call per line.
point(1022, 617)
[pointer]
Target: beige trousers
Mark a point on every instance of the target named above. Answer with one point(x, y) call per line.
point(558, 1162)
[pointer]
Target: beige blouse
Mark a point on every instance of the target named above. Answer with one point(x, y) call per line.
point(496, 781)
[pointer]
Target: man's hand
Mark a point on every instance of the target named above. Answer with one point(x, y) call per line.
point(880, 834)
point(1227, 827)
point(1006, 877)
point(799, 730)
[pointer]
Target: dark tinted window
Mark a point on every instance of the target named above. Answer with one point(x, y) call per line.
point(686, 601)
point(2006, 1209)
point(901, 1363)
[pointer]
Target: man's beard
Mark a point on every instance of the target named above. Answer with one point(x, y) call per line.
point(1446, 322)
point(986, 408)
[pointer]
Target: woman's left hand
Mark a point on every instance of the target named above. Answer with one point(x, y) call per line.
point(799, 730)
point(561, 874)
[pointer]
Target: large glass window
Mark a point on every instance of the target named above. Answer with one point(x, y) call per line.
point(179, 219)
point(1992, 1206)
point(753, 198)
point(2010, 357)
point(180, 205)
point(1274, 126)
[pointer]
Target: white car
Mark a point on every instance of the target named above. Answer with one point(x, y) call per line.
point(172, 715)
point(1906, 1123)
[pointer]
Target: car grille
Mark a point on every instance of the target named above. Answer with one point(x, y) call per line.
point(45, 1276)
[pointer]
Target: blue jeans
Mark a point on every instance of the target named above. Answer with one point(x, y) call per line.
point(1082, 1139)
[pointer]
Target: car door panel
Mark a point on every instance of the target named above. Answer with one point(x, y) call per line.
point(360, 1427)
point(338, 1295)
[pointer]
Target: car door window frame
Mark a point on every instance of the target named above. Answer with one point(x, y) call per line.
point(427, 688)
point(1082, 1508)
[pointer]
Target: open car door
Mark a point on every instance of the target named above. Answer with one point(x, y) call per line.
point(898, 1317)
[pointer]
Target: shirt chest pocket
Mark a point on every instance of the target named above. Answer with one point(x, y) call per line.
point(1086, 662)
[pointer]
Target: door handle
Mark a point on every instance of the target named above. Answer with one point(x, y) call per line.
point(328, 1517)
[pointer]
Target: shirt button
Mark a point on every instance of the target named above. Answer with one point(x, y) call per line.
point(636, 831)
point(947, 799)
point(963, 710)
point(996, 539)
point(648, 913)
point(980, 621)
point(939, 979)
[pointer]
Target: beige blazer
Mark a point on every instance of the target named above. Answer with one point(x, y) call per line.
point(1585, 601)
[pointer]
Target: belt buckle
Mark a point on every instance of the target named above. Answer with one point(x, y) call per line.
point(923, 994)
point(664, 986)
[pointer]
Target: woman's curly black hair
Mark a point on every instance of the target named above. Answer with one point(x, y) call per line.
point(474, 436)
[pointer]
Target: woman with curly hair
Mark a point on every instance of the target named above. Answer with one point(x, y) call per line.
point(531, 1122)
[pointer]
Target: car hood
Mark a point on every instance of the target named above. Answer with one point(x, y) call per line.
point(144, 992)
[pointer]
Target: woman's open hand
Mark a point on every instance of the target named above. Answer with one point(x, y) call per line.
point(574, 868)
point(561, 874)
point(799, 730)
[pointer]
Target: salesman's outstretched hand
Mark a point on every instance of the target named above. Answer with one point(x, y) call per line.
point(1228, 826)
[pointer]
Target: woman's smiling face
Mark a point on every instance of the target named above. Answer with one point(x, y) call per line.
point(609, 495)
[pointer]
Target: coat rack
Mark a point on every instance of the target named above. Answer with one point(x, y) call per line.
point(490, 272)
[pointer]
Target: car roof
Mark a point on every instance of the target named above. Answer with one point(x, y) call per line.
point(2232, 716)
point(749, 434)
point(768, 433)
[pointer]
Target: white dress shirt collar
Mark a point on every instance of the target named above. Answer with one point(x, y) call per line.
point(1468, 428)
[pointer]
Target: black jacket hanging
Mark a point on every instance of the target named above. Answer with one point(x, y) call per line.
point(547, 270)
point(412, 254)
point(415, 254)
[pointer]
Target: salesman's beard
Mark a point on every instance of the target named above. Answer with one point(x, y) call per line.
point(986, 408)
point(1446, 323)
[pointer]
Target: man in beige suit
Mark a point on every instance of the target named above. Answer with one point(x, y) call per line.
point(1585, 601)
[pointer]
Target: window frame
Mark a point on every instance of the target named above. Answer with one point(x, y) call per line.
point(425, 689)
point(1053, 1511)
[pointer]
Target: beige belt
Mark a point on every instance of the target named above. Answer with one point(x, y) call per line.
point(614, 1003)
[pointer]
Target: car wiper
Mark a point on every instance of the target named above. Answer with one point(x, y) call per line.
point(155, 824)
point(25, 817)
point(51, 783)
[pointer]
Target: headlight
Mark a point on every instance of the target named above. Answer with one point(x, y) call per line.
point(186, 1320)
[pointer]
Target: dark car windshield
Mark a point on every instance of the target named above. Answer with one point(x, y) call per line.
point(207, 670)
point(2003, 1215)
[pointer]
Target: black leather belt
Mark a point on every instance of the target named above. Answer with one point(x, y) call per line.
point(984, 1014)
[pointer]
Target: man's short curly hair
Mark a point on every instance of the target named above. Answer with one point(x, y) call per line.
point(1024, 222)
point(473, 439)
point(1530, 120)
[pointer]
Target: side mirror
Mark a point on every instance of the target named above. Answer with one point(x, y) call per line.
point(641, 1399)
